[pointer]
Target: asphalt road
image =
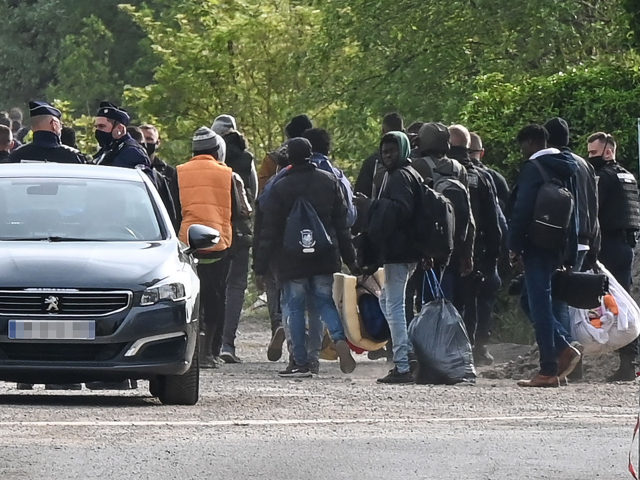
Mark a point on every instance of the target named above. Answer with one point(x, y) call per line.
point(251, 424)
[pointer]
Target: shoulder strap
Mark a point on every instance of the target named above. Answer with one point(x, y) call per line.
point(432, 164)
point(543, 172)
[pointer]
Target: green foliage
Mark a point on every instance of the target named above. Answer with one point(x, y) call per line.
point(590, 98)
point(70, 48)
point(246, 59)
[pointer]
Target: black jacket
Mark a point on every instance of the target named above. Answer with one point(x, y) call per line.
point(4, 157)
point(486, 211)
point(370, 176)
point(391, 216)
point(562, 166)
point(46, 147)
point(324, 193)
point(241, 162)
point(123, 152)
point(171, 177)
point(587, 204)
point(390, 226)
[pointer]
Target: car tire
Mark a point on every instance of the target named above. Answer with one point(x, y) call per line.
point(154, 387)
point(180, 389)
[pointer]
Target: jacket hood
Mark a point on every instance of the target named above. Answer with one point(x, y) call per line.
point(404, 146)
point(235, 139)
point(562, 164)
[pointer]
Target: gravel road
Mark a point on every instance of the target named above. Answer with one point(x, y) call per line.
point(251, 424)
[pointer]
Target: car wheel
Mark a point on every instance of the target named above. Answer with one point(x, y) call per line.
point(180, 389)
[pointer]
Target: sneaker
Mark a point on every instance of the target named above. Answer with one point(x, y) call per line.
point(396, 377)
point(218, 360)
point(482, 356)
point(228, 355)
point(295, 371)
point(208, 362)
point(314, 366)
point(377, 354)
point(24, 386)
point(347, 363)
point(274, 350)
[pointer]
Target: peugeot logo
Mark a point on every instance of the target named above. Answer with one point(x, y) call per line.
point(51, 302)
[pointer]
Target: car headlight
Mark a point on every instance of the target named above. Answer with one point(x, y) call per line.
point(170, 291)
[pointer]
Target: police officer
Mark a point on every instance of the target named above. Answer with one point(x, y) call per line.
point(46, 146)
point(619, 216)
point(117, 147)
point(486, 250)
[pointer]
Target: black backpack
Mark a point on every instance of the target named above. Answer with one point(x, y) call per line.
point(304, 234)
point(551, 213)
point(433, 221)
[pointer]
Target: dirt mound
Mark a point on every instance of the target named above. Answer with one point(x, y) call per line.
point(526, 364)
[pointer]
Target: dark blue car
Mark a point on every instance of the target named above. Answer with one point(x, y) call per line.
point(94, 283)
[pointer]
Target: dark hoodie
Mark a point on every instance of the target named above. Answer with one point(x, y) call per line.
point(390, 225)
point(241, 162)
point(560, 165)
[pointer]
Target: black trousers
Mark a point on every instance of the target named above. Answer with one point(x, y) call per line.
point(480, 291)
point(617, 256)
point(213, 288)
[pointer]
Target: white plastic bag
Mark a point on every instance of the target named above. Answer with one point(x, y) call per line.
point(624, 329)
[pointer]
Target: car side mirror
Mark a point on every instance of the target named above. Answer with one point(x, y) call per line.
point(201, 237)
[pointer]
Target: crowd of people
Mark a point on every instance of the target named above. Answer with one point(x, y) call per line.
point(302, 220)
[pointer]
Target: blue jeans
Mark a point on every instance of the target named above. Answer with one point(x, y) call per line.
point(539, 266)
point(392, 303)
point(317, 291)
point(315, 331)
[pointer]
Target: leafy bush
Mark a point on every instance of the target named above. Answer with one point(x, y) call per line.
point(595, 98)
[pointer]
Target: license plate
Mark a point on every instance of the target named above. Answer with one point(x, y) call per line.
point(52, 329)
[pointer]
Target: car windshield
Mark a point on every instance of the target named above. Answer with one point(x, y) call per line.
point(57, 209)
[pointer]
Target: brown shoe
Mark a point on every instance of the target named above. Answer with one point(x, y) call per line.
point(568, 360)
point(540, 381)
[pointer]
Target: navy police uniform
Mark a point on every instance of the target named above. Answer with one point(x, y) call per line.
point(46, 146)
point(123, 152)
point(619, 216)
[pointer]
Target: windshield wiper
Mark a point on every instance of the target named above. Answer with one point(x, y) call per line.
point(53, 238)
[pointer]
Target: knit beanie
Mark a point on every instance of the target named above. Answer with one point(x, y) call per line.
point(299, 150)
point(206, 140)
point(297, 126)
point(558, 132)
point(223, 124)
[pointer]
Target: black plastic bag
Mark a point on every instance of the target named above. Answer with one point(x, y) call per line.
point(441, 344)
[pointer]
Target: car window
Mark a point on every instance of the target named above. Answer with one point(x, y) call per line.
point(76, 209)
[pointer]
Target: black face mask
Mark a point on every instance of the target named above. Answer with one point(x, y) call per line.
point(597, 161)
point(150, 148)
point(104, 138)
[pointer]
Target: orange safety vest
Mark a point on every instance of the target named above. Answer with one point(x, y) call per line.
point(205, 195)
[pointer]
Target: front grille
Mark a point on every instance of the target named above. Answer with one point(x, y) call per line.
point(60, 352)
point(76, 303)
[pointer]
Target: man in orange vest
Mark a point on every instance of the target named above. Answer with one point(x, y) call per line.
point(209, 196)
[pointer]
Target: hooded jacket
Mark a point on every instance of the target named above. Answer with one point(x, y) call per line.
point(560, 165)
point(390, 222)
point(241, 162)
point(322, 191)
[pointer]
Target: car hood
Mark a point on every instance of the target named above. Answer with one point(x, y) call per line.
point(117, 265)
